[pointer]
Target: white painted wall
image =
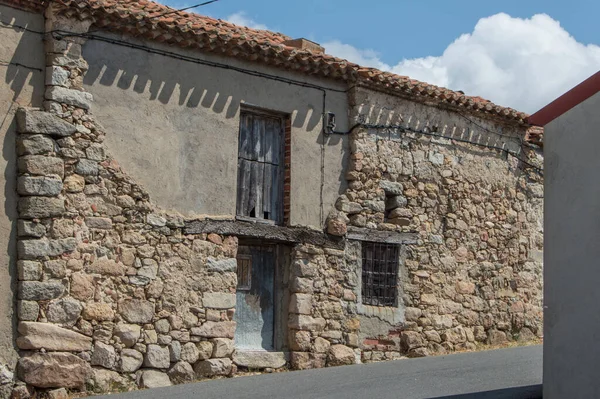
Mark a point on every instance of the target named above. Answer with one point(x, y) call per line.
point(572, 253)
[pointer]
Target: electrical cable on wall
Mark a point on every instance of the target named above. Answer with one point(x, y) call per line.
point(60, 34)
point(326, 128)
point(18, 64)
point(404, 129)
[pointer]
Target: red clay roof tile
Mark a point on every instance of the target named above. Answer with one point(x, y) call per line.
point(162, 23)
point(30, 5)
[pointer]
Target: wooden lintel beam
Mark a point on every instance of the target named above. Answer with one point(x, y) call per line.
point(390, 237)
point(264, 231)
point(295, 234)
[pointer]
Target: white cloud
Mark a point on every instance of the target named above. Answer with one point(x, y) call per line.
point(240, 18)
point(521, 63)
point(368, 58)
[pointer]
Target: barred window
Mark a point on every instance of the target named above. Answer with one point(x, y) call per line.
point(379, 274)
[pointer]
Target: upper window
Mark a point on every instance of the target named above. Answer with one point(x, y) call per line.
point(379, 274)
point(260, 167)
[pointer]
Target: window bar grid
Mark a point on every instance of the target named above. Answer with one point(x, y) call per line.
point(385, 279)
point(379, 274)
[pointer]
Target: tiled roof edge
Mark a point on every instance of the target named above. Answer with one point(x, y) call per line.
point(28, 5)
point(188, 30)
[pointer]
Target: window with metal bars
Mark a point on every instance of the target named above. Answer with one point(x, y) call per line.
point(379, 274)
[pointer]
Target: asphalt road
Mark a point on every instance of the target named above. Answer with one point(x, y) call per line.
point(506, 373)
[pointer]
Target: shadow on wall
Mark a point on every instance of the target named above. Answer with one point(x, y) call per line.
point(453, 125)
point(22, 66)
point(22, 61)
point(197, 85)
point(192, 98)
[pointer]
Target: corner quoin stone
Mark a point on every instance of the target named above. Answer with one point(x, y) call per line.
point(34, 144)
point(40, 207)
point(54, 370)
point(47, 186)
point(40, 291)
point(29, 270)
point(40, 122)
point(26, 228)
point(51, 337)
point(76, 98)
point(41, 165)
point(34, 249)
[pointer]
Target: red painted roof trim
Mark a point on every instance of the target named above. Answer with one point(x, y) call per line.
point(570, 99)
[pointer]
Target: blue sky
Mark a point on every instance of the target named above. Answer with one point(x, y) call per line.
point(516, 53)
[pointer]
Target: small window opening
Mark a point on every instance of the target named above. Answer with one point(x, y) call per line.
point(244, 270)
point(379, 274)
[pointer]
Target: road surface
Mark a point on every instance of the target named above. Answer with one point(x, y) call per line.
point(513, 373)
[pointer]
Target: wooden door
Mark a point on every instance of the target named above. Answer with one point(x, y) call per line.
point(254, 312)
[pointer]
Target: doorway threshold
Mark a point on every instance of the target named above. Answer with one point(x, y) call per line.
point(260, 359)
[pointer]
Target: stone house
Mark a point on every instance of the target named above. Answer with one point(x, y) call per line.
point(186, 198)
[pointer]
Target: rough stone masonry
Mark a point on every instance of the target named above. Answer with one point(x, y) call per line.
point(115, 294)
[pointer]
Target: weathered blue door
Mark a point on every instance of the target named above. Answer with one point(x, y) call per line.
point(255, 298)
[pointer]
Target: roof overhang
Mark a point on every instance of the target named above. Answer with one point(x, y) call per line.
point(564, 103)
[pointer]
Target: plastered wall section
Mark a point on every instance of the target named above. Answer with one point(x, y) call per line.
point(175, 127)
point(571, 272)
point(19, 86)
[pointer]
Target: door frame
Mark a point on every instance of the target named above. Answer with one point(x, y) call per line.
point(281, 294)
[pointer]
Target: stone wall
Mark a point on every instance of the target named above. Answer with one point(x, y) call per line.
point(322, 328)
point(21, 84)
point(105, 281)
point(111, 294)
point(115, 293)
point(474, 276)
